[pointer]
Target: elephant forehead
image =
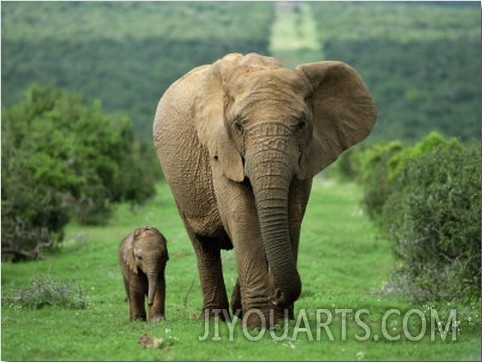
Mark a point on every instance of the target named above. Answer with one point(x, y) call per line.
point(149, 243)
point(148, 232)
point(266, 105)
point(273, 81)
point(153, 253)
point(275, 89)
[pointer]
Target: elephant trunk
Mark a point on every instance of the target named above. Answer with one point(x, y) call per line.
point(153, 281)
point(271, 180)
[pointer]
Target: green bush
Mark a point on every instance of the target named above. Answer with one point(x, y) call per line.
point(33, 212)
point(63, 159)
point(426, 199)
point(434, 222)
point(374, 170)
point(346, 167)
point(433, 142)
point(47, 292)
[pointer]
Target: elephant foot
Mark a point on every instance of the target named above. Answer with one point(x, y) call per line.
point(137, 317)
point(157, 319)
point(267, 318)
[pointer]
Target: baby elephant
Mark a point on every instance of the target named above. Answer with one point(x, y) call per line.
point(143, 257)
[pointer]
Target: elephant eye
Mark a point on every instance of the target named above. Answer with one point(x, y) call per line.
point(238, 127)
point(301, 125)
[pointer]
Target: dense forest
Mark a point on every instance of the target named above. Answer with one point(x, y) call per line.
point(123, 53)
point(421, 60)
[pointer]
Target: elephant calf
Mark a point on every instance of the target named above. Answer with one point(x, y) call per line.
point(143, 257)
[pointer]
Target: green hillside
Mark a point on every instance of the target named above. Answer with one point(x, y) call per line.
point(421, 60)
point(123, 53)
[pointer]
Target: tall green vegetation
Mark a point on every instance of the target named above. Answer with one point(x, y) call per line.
point(426, 199)
point(421, 62)
point(123, 53)
point(433, 86)
point(64, 159)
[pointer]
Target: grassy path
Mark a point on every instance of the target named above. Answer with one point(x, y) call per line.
point(294, 37)
point(343, 265)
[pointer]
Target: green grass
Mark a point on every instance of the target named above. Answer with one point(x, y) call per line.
point(343, 263)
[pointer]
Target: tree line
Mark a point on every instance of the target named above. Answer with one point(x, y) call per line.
point(123, 54)
point(421, 61)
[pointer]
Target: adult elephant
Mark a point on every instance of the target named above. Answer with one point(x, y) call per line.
point(239, 142)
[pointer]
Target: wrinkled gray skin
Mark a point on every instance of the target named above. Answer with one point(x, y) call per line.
point(143, 257)
point(239, 142)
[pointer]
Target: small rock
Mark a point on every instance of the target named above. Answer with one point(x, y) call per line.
point(148, 342)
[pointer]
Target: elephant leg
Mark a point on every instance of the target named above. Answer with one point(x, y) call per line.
point(236, 305)
point(253, 290)
point(251, 297)
point(208, 254)
point(126, 286)
point(136, 297)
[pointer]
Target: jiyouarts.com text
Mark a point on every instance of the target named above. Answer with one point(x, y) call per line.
point(338, 325)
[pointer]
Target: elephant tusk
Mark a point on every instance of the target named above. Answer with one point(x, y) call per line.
point(277, 297)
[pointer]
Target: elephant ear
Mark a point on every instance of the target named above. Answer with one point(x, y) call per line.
point(128, 251)
point(210, 113)
point(343, 113)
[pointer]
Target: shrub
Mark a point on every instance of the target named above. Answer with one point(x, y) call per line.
point(63, 159)
point(426, 199)
point(433, 142)
point(33, 213)
point(347, 167)
point(433, 219)
point(47, 292)
point(374, 170)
